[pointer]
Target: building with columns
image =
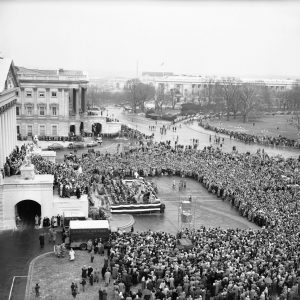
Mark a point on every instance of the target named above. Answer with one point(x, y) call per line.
point(51, 102)
point(9, 88)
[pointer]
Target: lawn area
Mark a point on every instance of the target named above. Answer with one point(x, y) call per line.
point(265, 125)
point(55, 276)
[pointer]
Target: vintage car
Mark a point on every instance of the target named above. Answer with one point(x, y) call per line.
point(92, 144)
point(55, 146)
point(76, 145)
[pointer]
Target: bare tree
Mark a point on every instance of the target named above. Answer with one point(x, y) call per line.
point(230, 88)
point(249, 99)
point(138, 93)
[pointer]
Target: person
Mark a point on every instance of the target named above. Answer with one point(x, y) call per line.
point(107, 277)
point(83, 283)
point(42, 240)
point(74, 289)
point(132, 229)
point(37, 290)
point(92, 255)
point(37, 221)
point(72, 254)
point(174, 184)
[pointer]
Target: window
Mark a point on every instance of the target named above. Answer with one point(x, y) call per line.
point(42, 94)
point(28, 93)
point(29, 110)
point(53, 94)
point(54, 111)
point(17, 110)
point(42, 110)
point(42, 130)
point(54, 130)
point(29, 130)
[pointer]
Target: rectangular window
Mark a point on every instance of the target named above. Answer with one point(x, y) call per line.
point(29, 110)
point(54, 130)
point(28, 94)
point(54, 111)
point(17, 110)
point(41, 94)
point(53, 94)
point(42, 130)
point(42, 110)
point(29, 130)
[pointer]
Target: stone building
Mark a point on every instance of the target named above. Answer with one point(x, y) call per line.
point(51, 102)
point(8, 97)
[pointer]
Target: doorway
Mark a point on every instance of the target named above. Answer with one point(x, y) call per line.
point(26, 211)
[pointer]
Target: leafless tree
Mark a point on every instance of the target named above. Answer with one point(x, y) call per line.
point(249, 99)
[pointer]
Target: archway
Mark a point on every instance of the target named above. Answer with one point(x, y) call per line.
point(26, 211)
point(73, 129)
point(96, 129)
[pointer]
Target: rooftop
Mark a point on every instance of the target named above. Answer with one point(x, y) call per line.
point(52, 75)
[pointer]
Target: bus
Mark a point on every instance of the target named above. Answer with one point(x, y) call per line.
point(81, 231)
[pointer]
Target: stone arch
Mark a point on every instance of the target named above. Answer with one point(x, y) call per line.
point(26, 210)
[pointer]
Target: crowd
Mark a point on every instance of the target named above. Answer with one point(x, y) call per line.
point(252, 138)
point(228, 264)
point(121, 192)
point(14, 161)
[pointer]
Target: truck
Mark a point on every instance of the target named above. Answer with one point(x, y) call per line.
point(81, 231)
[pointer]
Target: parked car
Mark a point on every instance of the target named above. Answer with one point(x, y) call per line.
point(55, 146)
point(92, 144)
point(76, 145)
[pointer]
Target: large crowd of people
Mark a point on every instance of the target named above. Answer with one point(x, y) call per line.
point(248, 138)
point(228, 264)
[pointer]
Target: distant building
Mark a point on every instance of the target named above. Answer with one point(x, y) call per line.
point(51, 102)
point(9, 88)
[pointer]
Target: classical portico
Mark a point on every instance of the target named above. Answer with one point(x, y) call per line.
point(8, 98)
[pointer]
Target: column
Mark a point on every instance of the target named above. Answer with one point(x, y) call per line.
point(78, 98)
point(11, 132)
point(5, 135)
point(1, 143)
point(83, 106)
point(15, 125)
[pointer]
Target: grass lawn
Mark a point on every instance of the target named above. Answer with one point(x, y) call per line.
point(265, 125)
point(55, 276)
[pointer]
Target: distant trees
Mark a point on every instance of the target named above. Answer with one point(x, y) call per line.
point(137, 93)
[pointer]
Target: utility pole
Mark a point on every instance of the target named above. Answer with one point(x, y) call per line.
point(137, 69)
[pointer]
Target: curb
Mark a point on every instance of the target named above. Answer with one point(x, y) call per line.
point(129, 224)
point(30, 270)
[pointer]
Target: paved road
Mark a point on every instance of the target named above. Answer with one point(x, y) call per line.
point(17, 249)
point(188, 132)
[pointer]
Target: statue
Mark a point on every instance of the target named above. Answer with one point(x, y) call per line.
point(36, 140)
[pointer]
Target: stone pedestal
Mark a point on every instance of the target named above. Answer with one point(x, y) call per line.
point(27, 172)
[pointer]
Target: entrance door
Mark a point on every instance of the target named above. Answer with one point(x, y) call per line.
point(73, 129)
point(26, 211)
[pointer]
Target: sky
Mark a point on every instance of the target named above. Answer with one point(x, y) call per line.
point(117, 38)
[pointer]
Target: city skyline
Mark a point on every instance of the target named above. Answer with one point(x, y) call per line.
point(107, 39)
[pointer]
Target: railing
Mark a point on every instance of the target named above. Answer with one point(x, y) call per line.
point(54, 77)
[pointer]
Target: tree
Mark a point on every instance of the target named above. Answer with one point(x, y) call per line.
point(137, 93)
point(230, 87)
point(160, 97)
point(248, 95)
point(293, 97)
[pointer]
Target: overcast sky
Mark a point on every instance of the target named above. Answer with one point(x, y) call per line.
point(108, 38)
